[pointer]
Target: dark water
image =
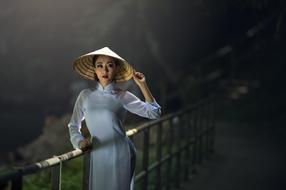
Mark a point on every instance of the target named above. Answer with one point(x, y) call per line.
point(19, 128)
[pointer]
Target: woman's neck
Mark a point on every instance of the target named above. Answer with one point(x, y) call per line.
point(104, 84)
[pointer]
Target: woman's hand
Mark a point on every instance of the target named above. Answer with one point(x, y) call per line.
point(84, 144)
point(139, 78)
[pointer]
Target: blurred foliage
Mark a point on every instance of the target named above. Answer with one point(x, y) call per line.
point(71, 177)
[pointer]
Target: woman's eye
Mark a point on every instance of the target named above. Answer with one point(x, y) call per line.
point(99, 66)
point(110, 65)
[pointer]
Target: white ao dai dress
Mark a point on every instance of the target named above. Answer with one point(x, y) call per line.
point(112, 159)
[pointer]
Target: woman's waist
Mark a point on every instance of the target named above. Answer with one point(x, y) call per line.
point(103, 141)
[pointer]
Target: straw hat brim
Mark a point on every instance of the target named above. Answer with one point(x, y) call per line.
point(84, 67)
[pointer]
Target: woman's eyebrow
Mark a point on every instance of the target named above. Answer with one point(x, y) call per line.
point(107, 62)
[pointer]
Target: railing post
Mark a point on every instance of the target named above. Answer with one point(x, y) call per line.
point(192, 141)
point(86, 170)
point(203, 129)
point(145, 158)
point(56, 176)
point(200, 134)
point(212, 124)
point(170, 149)
point(159, 156)
point(179, 128)
point(208, 128)
point(17, 182)
point(187, 141)
point(195, 144)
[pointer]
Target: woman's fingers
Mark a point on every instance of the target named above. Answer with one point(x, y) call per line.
point(84, 144)
point(138, 75)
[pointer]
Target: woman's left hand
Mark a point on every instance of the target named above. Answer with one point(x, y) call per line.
point(139, 78)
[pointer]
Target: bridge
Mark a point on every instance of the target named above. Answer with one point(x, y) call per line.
point(190, 143)
point(182, 141)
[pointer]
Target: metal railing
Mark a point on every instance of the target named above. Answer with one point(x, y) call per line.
point(181, 140)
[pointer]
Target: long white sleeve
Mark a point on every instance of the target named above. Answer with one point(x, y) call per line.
point(75, 122)
point(151, 110)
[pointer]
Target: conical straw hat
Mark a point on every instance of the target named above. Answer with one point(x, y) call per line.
point(83, 65)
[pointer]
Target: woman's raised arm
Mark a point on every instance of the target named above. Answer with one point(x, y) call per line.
point(150, 108)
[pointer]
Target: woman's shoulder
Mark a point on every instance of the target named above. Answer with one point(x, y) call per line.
point(125, 94)
point(121, 92)
point(85, 92)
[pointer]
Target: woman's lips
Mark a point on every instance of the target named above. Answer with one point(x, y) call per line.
point(105, 76)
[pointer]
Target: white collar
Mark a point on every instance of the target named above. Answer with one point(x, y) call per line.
point(108, 87)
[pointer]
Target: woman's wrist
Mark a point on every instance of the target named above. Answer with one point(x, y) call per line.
point(142, 85)
point(146, 92)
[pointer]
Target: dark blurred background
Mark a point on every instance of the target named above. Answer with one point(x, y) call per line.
point(188, 49)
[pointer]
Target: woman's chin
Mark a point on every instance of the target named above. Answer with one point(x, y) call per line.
point(105, 80)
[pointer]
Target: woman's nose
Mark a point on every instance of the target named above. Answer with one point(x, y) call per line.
point(106, 68)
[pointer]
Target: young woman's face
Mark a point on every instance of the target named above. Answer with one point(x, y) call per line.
point(105, 69)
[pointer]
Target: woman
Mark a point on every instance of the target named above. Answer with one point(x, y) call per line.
point(103, 108)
